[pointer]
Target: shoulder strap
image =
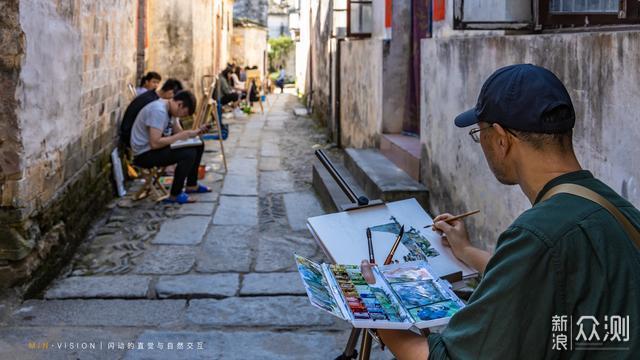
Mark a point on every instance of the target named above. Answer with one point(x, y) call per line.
point(588, 194)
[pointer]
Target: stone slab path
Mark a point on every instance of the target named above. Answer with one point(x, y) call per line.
point(211, 280)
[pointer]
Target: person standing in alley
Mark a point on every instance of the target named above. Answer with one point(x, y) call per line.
point(280, 80)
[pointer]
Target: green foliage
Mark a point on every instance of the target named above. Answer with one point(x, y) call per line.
point(279, 49)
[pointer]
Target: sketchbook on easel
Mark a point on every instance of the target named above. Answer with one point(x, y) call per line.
point(343, 237)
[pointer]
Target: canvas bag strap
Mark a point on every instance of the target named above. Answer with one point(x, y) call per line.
point(588, 194)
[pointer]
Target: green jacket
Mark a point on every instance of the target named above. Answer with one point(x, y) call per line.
point(564, 256)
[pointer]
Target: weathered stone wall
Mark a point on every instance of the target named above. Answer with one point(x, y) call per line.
point(373, 73)
point(170, 34)
point(223, 32)
point(361, 93)
point(12, 43)
point(203, 35)
point(183, 37)
point(249, 44)
point(600, 71)
point(321, 59)
point(71, 93)
point(225, 8)
point(396, 63)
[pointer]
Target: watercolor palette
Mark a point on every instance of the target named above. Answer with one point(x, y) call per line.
point(403, 295)
point(316, 285)
point(365, 302)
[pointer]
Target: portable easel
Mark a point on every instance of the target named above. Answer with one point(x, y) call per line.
point(254, 75)
point(357, 202)
point(205, 111)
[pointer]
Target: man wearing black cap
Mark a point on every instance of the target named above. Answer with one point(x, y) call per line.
point(567, 267)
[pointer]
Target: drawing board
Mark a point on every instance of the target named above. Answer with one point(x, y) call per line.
point(342, 235)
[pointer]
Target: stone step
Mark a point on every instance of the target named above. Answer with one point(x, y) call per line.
point(330, 194)
point(404, 151)
point(382, 179)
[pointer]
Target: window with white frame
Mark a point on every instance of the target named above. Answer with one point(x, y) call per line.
point(359, 17)
point(583, 6)
point(543, 14)
point(352, 18)
point(339, 29)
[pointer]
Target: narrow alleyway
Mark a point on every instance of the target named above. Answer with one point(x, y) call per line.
point(215, 279)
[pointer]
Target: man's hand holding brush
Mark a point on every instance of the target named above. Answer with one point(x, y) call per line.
point(454, 235)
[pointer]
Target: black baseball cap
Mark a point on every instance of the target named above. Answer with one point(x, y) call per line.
point(517, 96)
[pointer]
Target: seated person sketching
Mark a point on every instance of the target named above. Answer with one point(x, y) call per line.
point(156, 127)
point(567, 257)
point(253, 93)
point(235, 79)
point(149, 82)
point(243, 73)
point(227, 94)
point(168, 89)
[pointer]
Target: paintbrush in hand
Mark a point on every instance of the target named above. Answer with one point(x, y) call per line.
point(457, 217)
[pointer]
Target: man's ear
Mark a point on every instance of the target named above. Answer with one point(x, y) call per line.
point(503, 138)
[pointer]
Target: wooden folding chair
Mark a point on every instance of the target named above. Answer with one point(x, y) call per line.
point(152, 185)
point(132, 91)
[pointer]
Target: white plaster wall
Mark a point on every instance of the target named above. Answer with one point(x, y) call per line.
point(321, 60)
point(361, 92)
point(396, 68)
point(600, 72)
point(274, 23)
point(227, 33)
point(203, 33)
point(249, 45)
point(170, 33)
point(50, 81)
point(377, 26)
point(79, 57)
point(303, 48)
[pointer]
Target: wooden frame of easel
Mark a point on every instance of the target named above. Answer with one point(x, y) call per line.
point(358, 202)
point(205, 111)
point(254, 75)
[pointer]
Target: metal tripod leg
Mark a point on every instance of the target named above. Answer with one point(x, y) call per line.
point(350, 350)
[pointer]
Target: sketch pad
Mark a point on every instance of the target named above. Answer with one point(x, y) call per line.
point(186, 143)
point(343, 236)
point(404, 295)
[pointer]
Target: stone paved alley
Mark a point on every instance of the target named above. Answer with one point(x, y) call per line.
point(220, 271)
